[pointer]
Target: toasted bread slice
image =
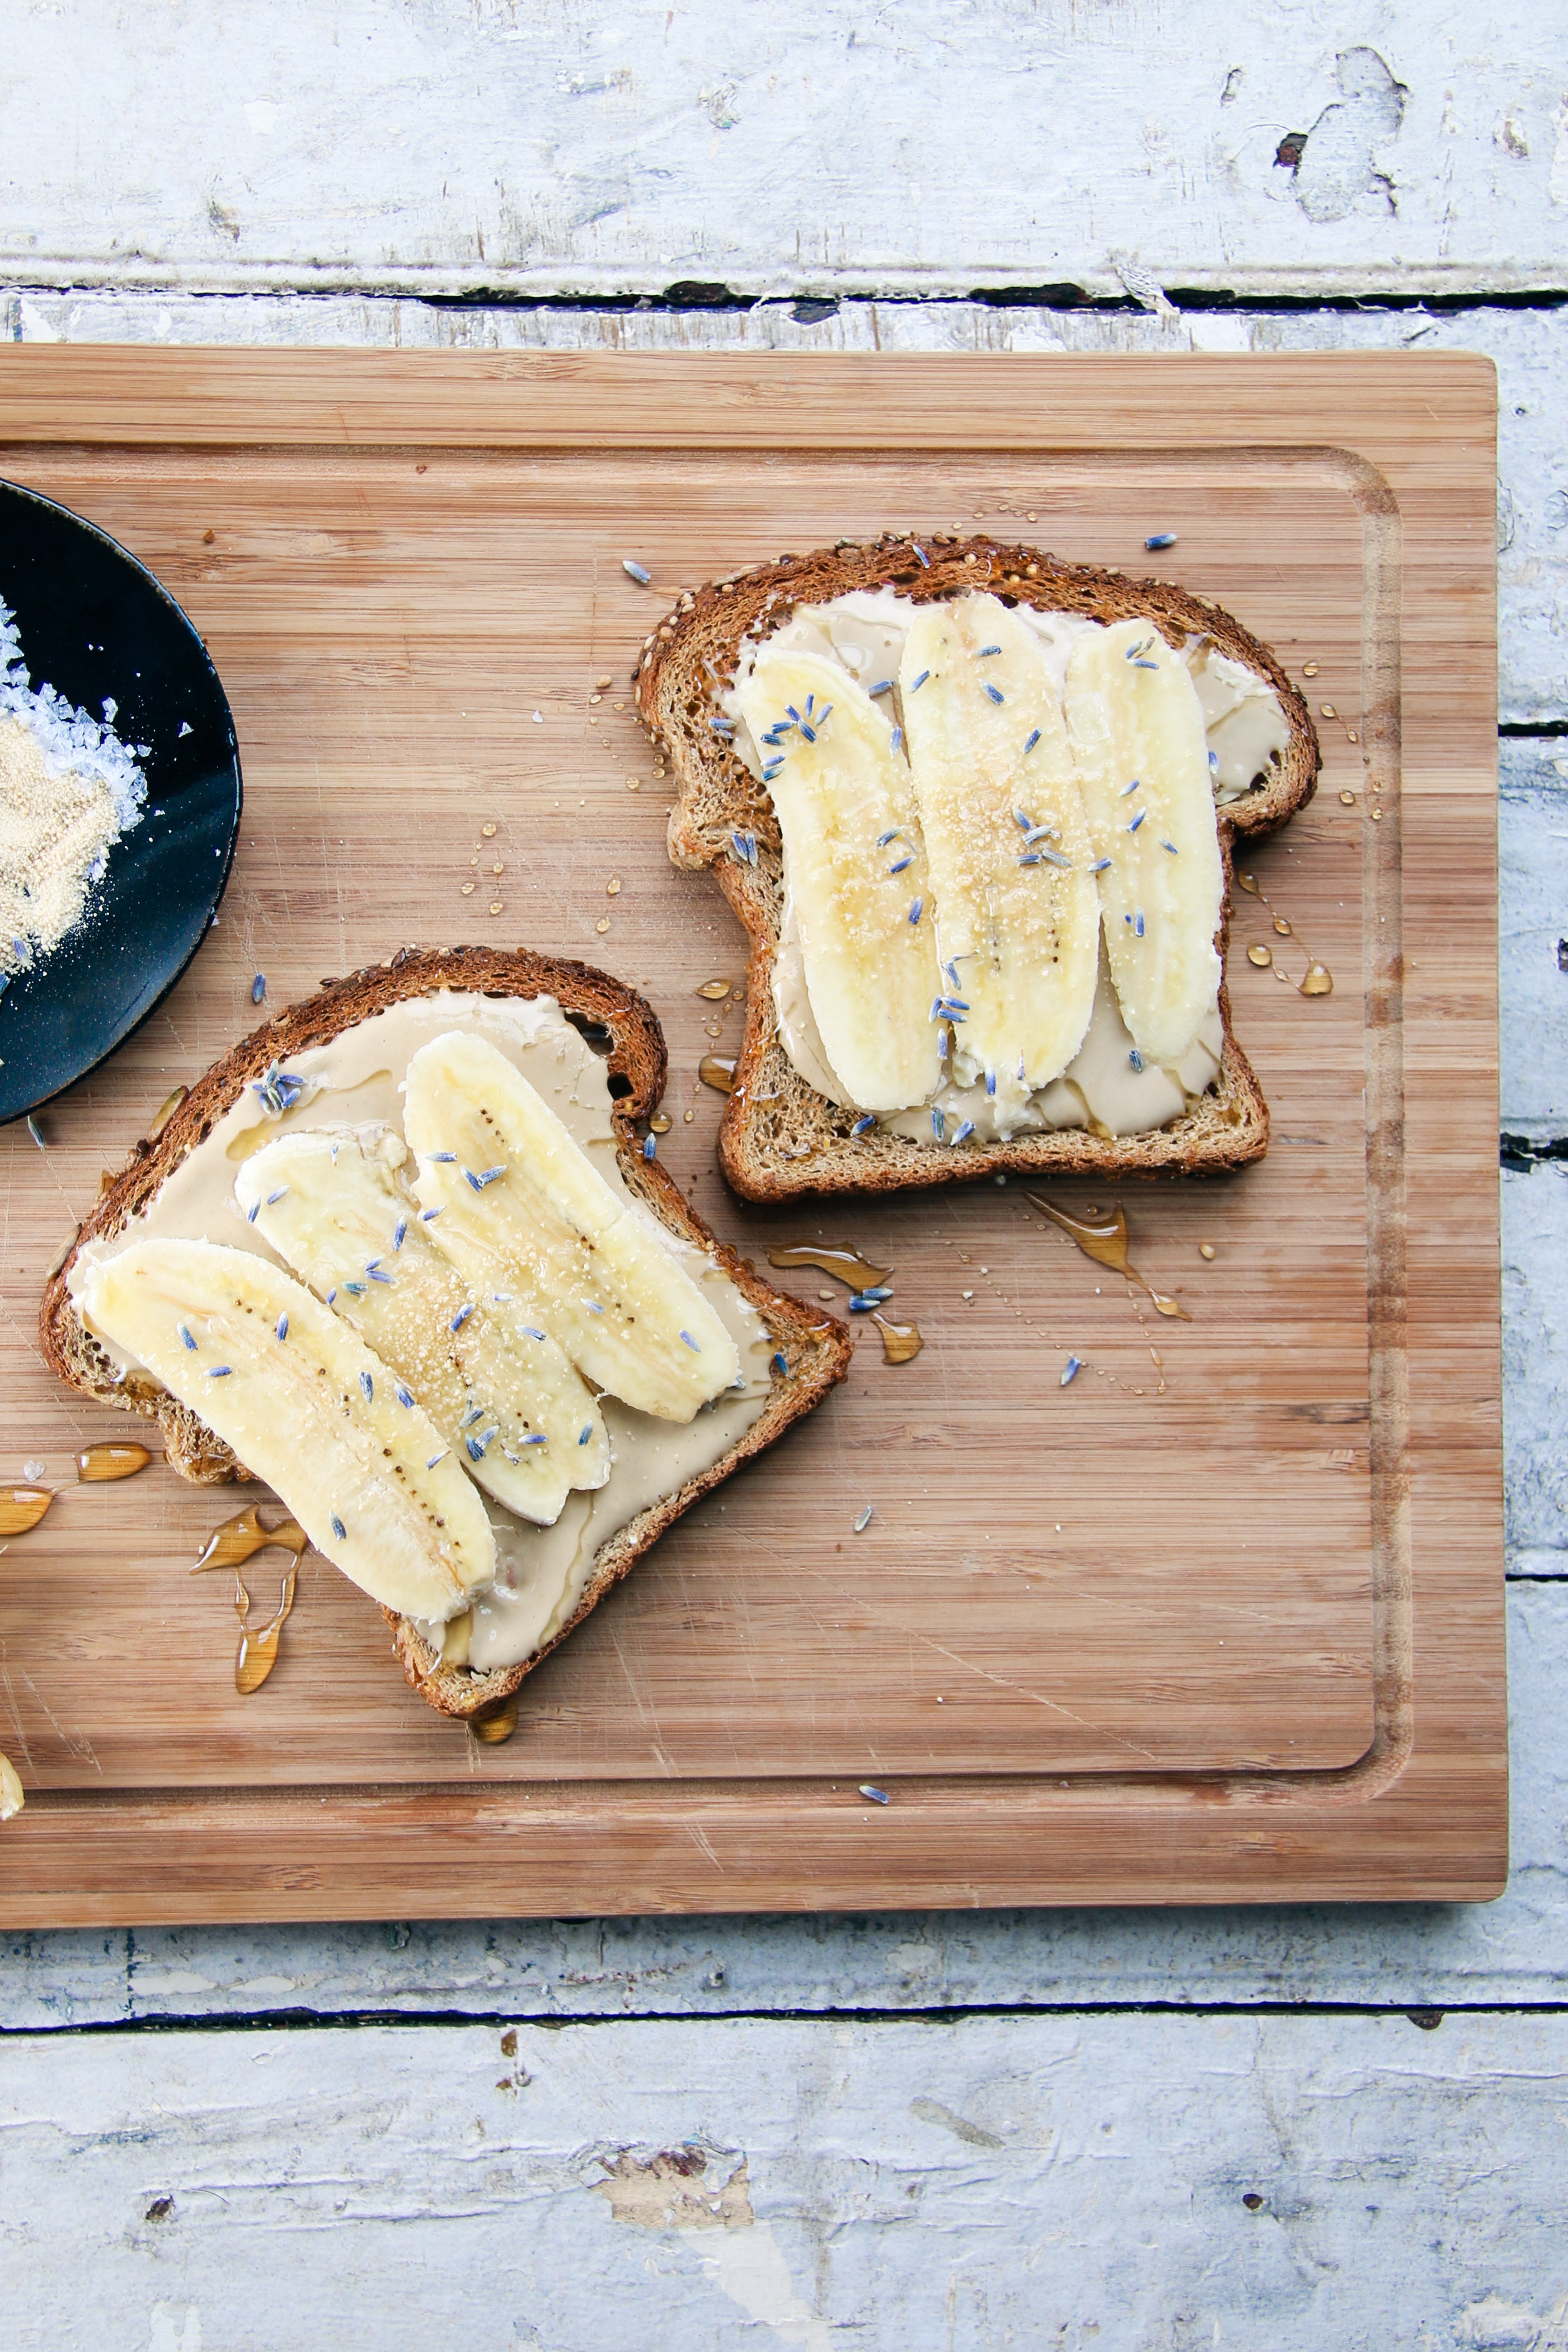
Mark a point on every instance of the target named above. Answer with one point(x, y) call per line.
point(814, 1348)
point(779, 1136)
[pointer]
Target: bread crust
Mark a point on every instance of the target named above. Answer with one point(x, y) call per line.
point(779, 1139)
point(816, 1348)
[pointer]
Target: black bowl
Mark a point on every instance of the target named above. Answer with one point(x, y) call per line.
point(93, 623)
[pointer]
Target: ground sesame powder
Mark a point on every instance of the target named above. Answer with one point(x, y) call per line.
point(69, 789)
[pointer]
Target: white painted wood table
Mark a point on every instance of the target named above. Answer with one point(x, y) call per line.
point(1143, 2130)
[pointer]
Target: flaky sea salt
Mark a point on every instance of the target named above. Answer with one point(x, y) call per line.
point(69, 789)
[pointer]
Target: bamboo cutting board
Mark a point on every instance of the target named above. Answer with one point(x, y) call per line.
point(1221, 1621)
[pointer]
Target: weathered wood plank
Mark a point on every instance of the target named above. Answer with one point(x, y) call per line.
point(547, 150)
point(1072, 2180)
point(1388, 1955)
point(1529, 347)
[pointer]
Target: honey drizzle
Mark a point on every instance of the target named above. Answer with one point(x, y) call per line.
point(846, 1264)
point(1106, 1243)
point(112, 1460)
point(1318, 980)
point(21, 1508)
point(238, 1539)
point(499, 1724)
point(901, 1342)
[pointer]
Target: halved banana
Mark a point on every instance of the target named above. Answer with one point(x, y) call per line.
point(1016, 911)
point(1137, 734)
point(524, 1210)
point(304, 1404)
point(502, 1394)
point(856, 870)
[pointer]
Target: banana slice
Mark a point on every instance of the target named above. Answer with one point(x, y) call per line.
point(1016, 910)
point(1137, 734)
point(523, 1209)
point(505, 1397)
point(305, 1406)
point(856, 870)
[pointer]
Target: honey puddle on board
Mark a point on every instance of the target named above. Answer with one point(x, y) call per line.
point(1318, 980)
point(238, 1539)
point(716, 1072)
point(1104, 1239)
point(846, 1263)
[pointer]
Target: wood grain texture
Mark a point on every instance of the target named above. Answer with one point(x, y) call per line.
point(1528, 347)
point(476, 146)
point(383, 606)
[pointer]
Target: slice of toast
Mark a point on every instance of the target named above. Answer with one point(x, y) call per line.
point(779, 1137)
point(815, 1348)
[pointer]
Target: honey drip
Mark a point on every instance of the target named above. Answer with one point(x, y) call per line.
point(238, 1539)
point(21, 1508)
point(1104, 1239)
point(498, 1725)
point(1318, 980)
point(846, 1264)
point(111, 1461)
point(716, 1073)
point(715, 990)
point(901, 1342)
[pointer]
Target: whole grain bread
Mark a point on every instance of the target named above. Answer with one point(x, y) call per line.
point(617, 1022)
point(779, 1137)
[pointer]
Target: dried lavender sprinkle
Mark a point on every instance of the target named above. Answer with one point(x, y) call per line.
point(864, 1521)
point(282, 1327)
point(636, 571)
point(259, 987)
point(877, 1795)
point(1071, 1369)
